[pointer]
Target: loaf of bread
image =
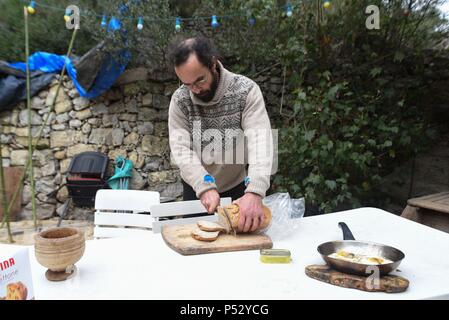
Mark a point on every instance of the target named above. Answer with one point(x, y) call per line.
point(16, 291)
point(232, 211)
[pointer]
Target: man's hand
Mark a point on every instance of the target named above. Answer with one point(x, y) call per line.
point(210, 200)
point(251, 212)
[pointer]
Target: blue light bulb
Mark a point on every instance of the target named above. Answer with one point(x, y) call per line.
point(31, 7)
point(214, 22)
point(289, 10)
point(178, 24)
point(140, 23)
point(252, 21)
point(104, 22)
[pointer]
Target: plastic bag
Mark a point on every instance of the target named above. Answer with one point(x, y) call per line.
point(285, 215)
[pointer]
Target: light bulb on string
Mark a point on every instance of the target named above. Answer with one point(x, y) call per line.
point(252, 21)
point(31, 7)
point(67, 14)
point(178, 24)
point(327, 5)
point(104, 22)
point(289, 10)
point(140, 23)
point(214, 22)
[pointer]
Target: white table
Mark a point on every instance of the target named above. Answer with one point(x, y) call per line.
point(143, 267)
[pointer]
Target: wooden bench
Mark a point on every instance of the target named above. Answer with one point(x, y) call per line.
point(431, 210)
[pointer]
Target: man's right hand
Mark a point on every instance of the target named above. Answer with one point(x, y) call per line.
point(210, 200)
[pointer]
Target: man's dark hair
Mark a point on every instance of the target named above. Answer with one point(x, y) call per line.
point(205, 51)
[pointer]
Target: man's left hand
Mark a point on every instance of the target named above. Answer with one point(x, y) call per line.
point(251, 212)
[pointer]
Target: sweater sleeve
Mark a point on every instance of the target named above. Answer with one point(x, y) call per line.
point(182, 152)
point(257, 128)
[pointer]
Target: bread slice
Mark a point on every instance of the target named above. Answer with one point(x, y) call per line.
point(210, 226)
point(204, 235)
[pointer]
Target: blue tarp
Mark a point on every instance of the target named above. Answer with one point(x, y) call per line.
point(110, 70)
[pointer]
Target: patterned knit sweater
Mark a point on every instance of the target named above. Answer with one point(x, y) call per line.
point(223, 136)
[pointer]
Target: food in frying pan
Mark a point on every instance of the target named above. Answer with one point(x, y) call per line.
point(359, 258)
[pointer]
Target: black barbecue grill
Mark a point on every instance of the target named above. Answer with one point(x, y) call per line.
point(87, 174)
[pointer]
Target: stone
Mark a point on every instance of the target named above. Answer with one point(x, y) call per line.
point(154, 146)
point(41, 144)
point(26, 194)
point(156, 87)
point(152, 164)
point(35, 118)
point(59, 155)
point(117, 137)
point(116, 152)
point(5, 152)
point(37, 103)
point(137, 182)
point(132, 138)
point(80, 103)
point(147, 100)
point(99, 108)
point(19, 157)
point(43, 198)
point(64, 165)
point(132, 75)
point(45, 185)
point(14, 118)
point(73, 93)
point(23, 132)
point(131, 106)
point(94, 122)
point(51, 95)
point(75, 123)
point(110, 120)
point(79, 148)
point(42, 157)
point(43, 94)
point(116, 107)
point(160, 102)
point(131, 89)
point(128, 117)
point(62, 107)
point(173, 190)
point(48, 169)
point(168, 176)
point(62, 118)
point(138, 160)
point(62, 138)
point(43, 211)
point(62, 194)
point(84, 114)
point(147, 114)
point(59, 127)
point(161, 129)
point(125, 126)
point(86, 128)
point(145, 128)
point(100, 136)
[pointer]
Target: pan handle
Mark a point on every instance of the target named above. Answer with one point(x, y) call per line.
point(347, 234)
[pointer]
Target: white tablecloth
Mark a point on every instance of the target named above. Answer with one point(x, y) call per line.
point(144, 267)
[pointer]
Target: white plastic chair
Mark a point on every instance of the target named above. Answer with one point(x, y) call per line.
point(118, 212)
point(179, 213)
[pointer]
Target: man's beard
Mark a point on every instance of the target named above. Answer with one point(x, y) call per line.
point(208, 95)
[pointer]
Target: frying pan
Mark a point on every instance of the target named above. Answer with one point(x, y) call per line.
point(349, 244)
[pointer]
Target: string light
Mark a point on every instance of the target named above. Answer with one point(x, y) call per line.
point(327, 4)
point(140, 23)
point(252, 21)
point(214, 22)
point(67, 15)
point(178, 24)
point(31, 7)
point(104, 22)
point(289, 10)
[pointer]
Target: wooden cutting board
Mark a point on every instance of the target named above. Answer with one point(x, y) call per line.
point(388, 283)
point(178, 237)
